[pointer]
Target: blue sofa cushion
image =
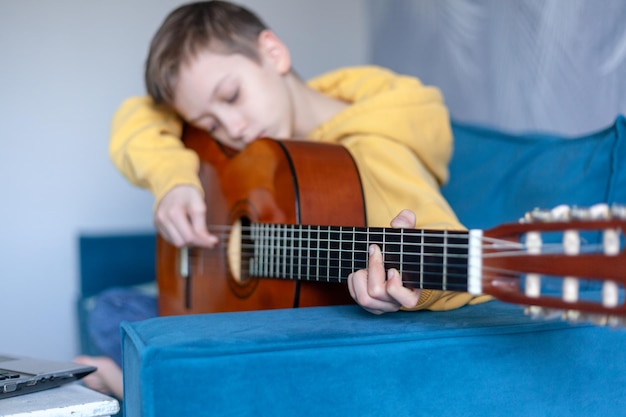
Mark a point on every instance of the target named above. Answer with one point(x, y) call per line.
point(496, 177)
point(481, 360)
point(115, 260)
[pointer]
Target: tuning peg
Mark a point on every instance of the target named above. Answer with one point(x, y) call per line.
point(618, 210)
point(572, 315)
point(604, 320)
point(537, 215)
point(529, 216)
point(561, 212)
point(600, 211)
point(580, 213)
point(575, 316)
point(538, 312)
point(617, 321)
point(564, 212)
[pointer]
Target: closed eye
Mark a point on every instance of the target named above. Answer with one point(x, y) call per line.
point(233, 97)
point(206, 123)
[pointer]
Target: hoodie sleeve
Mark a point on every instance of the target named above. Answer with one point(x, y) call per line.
point(146, 147)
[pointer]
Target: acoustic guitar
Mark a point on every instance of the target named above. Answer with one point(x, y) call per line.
point(292, 225)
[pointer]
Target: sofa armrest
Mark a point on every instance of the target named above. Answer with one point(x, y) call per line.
point(478, 360)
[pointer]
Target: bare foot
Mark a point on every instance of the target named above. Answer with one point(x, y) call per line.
point(107, 379)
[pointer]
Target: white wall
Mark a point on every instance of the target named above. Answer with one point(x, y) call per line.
point(546, 66)
point(65, 65)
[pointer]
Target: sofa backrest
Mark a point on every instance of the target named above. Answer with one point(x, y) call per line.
point(496, 177)
point(115, 260)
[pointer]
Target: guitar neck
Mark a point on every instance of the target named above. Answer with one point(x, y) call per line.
point(427, 259)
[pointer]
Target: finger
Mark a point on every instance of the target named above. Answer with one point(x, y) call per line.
point(376, 275)
point(407, 297)
point(359, 292)
point(351, 286)
point(202, 237)
point(404, 220)
point(181, 226)
point(174, 224)
point(357, 285)
point(168, 231)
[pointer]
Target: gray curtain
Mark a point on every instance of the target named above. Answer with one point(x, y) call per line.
point(555, 66)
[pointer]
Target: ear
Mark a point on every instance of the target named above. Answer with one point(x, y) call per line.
point(272, 49)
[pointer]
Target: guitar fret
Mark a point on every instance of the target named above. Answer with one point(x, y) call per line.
point(308, 257)
point(280, 251)
point(320, 254)
point(283, 250)
point(383, 245)
point(300, 249)
point(339, 252)
point(315, 271)
point(267, 258)
point(401, 252)
point(422, 259)
point(293, 240)
point(259, 258)
point(268, 250)
point(252, 268)
point(367, 240)
point(259, 251)
point(263, 250)
point(328, 251)
point(352, 268)
point(272, 251)
point(444, 285)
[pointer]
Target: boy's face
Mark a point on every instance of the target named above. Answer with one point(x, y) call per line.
point(235, 98)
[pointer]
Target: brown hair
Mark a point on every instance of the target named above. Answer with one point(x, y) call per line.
point(222, 26)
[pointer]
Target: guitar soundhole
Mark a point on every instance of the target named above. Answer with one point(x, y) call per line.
point(238, 258)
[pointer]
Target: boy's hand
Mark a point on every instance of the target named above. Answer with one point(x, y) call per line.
point(368, 286)
point(180, 218)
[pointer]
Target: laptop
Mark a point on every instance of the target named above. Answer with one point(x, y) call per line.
point(22, 375)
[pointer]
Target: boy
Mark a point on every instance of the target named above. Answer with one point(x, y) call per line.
point(217, 66)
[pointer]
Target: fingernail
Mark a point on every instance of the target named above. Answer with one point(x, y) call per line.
point(372, 250)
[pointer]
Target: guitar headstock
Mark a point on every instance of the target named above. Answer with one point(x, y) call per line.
point(567, 261)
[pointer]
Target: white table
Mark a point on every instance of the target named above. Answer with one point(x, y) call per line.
point(70, 400)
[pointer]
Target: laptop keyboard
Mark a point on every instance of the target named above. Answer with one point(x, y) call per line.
point(6, 374)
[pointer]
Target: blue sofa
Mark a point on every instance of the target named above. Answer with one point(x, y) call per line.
point(484, 360)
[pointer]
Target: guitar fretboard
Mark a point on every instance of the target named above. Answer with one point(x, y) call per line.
point(429, 259)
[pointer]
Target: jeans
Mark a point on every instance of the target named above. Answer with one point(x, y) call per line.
point(111, 308)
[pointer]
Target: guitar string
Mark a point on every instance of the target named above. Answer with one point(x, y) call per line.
point(488, 243)
point(487, 271)
point(323, 263)
point(496, 244)
point(429, 279)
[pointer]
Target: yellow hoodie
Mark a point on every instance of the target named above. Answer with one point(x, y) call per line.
point(396, 129)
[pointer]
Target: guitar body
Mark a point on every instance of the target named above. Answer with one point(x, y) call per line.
point(287, 182)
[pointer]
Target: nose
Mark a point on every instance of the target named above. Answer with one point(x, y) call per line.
point(234, 124)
